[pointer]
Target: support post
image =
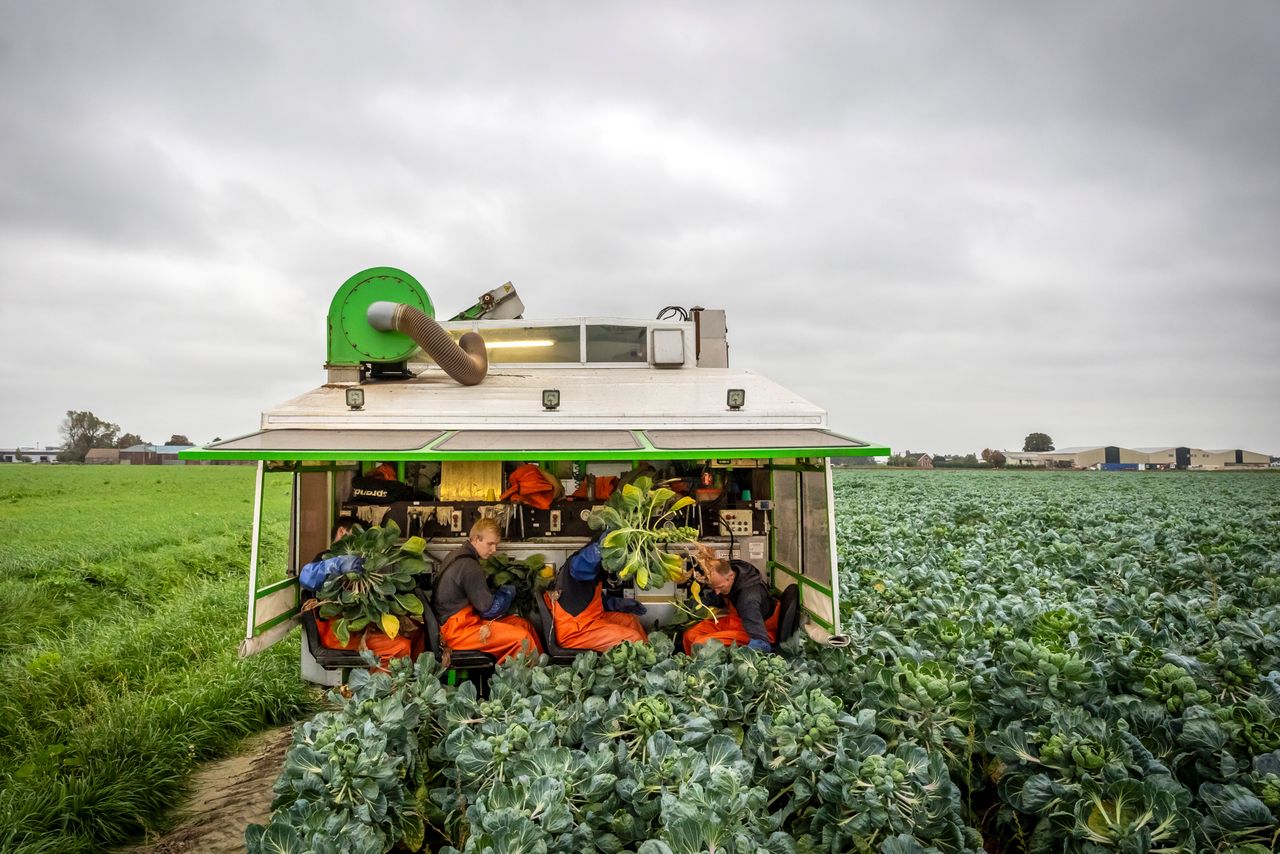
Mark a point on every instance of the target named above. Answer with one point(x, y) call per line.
point(253, 547)
point(835, 559)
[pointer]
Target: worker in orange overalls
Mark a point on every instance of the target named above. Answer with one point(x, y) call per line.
point(584, 618)
point(470, 616)
point(405, 645)
point(752, 620)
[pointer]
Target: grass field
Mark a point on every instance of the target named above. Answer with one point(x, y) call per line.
point(121, 605)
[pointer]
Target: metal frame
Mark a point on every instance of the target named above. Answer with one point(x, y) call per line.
point(253, 550)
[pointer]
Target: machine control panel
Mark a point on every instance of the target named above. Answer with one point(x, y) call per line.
point(736, 523)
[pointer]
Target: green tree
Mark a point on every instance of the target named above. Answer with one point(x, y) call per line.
point(83, 431)
point(128, 440)
point(179, 439)
point(1037, 442)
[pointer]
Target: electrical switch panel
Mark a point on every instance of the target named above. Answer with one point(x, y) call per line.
point(735, 522)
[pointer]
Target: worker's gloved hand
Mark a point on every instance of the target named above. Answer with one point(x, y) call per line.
point(624, 605)
point(585, 564)
point(502, 599)
point(760, 645)
point(314, 574)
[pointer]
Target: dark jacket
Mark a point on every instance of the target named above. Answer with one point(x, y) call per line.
point(579, 579)
point(750, 598)
point(461, 583)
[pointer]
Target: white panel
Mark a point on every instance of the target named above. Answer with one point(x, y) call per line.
point(274, 604)
point(817, 603)
point(668, 347)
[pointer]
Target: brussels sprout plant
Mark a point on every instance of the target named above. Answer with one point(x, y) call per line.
point(380, 595)
point(639, 519)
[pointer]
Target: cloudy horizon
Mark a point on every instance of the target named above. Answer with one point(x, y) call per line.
point(949, 225)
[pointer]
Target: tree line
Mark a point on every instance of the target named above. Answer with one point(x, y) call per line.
point(82, 431)
point(989, 458)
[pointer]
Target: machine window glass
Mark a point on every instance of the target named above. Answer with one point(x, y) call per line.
point(817, 533)
point(521, 344)
point(786, 520)
point(608, 342)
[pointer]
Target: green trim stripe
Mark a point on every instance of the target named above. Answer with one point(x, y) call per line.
point(272, 588)
point(809, 581)
point(648, 453)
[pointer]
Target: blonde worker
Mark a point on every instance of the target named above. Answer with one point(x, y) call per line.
point(471, 617)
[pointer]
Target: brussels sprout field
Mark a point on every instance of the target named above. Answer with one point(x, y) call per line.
point(1038, 662)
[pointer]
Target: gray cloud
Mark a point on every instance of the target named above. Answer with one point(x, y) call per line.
point(950, 225)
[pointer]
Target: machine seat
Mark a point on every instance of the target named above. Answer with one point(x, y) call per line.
point(788, 612)
point(459, 659)
point(329, 659)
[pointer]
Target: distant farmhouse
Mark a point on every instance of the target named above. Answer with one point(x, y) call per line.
point(152, 455)
point(1112, 457)
point(32, 455)
point(137, 455)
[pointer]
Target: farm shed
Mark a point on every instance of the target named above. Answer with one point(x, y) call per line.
point(103, 456)
point(153, 455)
point(32, 455)
point(1235, 458)
point(1024, 458)
point(1167, 457)
point(1088, 456)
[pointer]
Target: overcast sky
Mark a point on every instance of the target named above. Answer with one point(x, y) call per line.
point(950, 224)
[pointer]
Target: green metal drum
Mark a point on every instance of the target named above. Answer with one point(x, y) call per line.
point(351, 339)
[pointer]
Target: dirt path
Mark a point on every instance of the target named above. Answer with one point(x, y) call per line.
point(226, 797)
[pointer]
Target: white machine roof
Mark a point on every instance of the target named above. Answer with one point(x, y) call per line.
point(511, 398)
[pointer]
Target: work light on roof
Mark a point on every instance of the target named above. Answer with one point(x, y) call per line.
point(736, 398)
point(355, 398)
point(550, 398)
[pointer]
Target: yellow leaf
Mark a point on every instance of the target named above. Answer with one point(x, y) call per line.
point(614, 538)
point(390, 625)
point(642, 578)
point(878, 587)
point(683, 503)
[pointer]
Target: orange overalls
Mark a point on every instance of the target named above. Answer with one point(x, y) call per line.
point(728, 630)
point(386, 648)
point(502, 638)
point(595, 628)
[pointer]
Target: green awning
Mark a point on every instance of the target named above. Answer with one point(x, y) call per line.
point(328, 444)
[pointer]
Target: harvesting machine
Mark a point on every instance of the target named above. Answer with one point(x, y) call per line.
point(455, 405)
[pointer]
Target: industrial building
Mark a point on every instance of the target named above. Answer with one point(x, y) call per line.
point(1162, 457)
point(1096, 456)
point(34, 454)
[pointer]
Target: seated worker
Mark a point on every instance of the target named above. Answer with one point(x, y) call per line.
point(753, 614)
point(583, 617)
point(470, 616)
point(406, 645)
